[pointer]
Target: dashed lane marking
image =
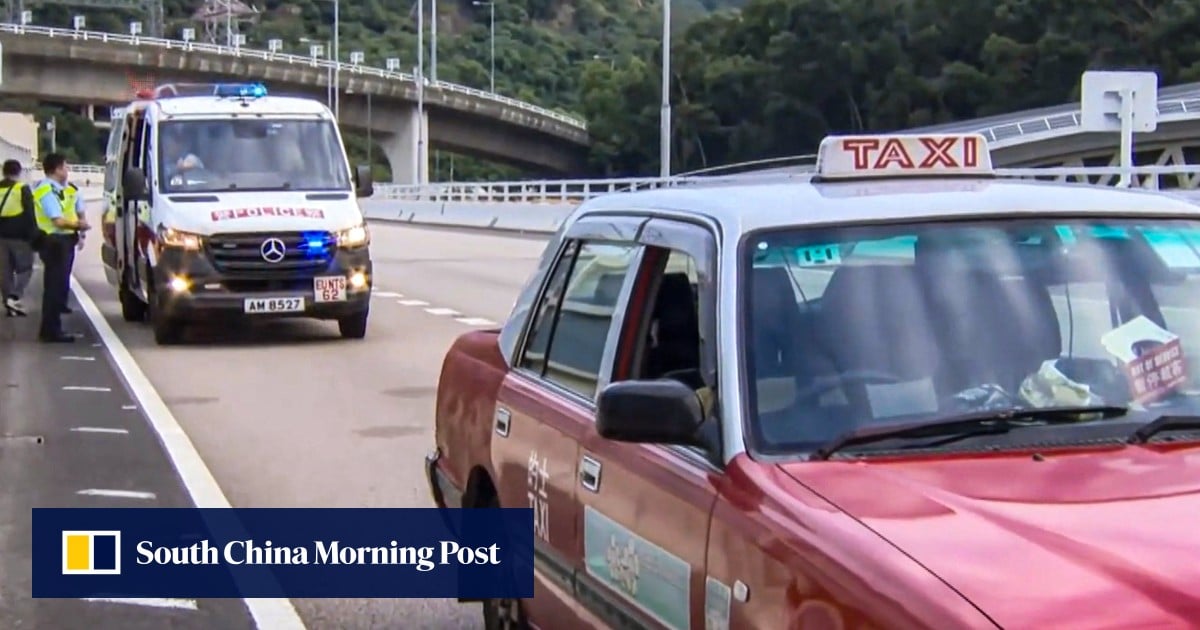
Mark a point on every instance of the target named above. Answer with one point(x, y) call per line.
point(268, 614)
point(72, 358)
point(85, 388)
point(412, 302)
point(128, 407)
point(442, 311)
point(386, 294)
point(155, 602)
point(475, 321)
point(99, 430)
point(120, 494)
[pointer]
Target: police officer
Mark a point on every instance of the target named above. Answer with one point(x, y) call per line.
point(17, 234)
point(57, 217)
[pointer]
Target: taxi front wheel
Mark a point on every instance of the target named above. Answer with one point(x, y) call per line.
point(501, 614)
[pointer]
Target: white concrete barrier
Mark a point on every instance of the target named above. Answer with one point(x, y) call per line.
point(540, 218)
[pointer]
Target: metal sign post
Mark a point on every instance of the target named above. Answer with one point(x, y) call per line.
point(1125, 102)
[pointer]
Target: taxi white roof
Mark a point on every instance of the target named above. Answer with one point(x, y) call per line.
point(217, 107)
point(741, 206)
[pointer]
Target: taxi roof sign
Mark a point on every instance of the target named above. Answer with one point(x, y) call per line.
point(903, 155)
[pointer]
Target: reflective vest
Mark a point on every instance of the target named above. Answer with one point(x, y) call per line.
point(12, 206)
point(66, 197)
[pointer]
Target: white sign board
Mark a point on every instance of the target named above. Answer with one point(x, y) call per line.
point(1102, 100)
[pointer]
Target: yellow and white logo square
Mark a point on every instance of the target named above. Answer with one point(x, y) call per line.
point(91, 552)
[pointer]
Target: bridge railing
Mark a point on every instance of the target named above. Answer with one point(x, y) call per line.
point(577, 191)
point(251, 53)
point(1070, 120)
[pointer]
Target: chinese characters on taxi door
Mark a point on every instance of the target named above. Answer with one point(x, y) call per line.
point(539, 499)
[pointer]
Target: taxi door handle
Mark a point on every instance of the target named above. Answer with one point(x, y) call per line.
point(589, 473)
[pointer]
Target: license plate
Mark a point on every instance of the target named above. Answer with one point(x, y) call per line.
point(330, 289)
point(274, 305)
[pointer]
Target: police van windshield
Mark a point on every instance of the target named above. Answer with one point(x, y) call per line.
point(862, 326)
point(221, 155)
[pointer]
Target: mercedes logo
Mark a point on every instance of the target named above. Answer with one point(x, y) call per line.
point(272, 250)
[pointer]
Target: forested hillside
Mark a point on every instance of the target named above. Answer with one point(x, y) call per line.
point(768, 80)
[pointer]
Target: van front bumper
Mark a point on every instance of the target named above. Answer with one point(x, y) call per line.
point(211, 294)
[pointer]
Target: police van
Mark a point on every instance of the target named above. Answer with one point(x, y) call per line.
point(224, 201)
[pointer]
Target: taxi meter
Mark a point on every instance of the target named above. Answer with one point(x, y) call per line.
point(902, 155)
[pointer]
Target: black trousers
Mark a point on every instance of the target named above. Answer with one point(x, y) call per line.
point(58, 256)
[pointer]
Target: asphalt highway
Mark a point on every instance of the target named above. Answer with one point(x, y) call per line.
point(72, 435)
point(288, 414)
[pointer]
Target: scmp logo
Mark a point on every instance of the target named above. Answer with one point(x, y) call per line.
point(91, 553)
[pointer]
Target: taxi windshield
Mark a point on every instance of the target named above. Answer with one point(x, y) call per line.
point(856, 327)
point(222, 155)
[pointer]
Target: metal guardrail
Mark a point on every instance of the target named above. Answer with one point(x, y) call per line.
point(237, 51)
point(1069, 120)
point(575, 191)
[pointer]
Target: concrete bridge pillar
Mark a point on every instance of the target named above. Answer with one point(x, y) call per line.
point(406, 151)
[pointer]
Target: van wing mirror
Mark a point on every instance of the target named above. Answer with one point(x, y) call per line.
point(364, 186)
point(659, 412)
point(133, 184)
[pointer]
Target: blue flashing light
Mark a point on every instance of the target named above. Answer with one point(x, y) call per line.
point(240, 90)
point(316, 244)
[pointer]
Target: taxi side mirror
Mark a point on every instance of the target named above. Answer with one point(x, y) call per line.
point(133, 184)
point(658, 412)
point(364, 185)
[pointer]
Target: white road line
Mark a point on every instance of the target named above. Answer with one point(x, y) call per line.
point(78, 358)
point(441, 311)
point(268, 614)
point(412, 302)
point(120, 494)
point(85, 388)
point(386, 294)
point(98, 430)
point(97, 345)
point(475, 321)
point(183, 604)
point(128, 407)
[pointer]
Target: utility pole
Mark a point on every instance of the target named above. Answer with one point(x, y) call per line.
point(664, 132)
point(433, 43)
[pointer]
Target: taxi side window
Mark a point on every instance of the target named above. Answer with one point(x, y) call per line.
point(566, 342)
point(671, 347)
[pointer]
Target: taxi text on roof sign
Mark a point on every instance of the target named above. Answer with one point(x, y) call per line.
point(901, 155)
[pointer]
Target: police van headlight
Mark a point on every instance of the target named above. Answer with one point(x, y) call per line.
point(354, 237)
point(170, 237)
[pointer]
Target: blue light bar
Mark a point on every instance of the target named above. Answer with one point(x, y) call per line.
point(240, 90)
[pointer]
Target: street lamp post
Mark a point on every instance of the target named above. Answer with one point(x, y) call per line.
point(664, 132)
point(433, 42)
point(337, 60)
point(492, 29)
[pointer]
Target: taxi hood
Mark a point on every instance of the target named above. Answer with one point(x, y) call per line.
point(207, 214)
point(1097, 539)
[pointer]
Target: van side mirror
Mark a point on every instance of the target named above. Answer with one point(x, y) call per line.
point(659, 412)
point(133, 184)
point(363, 184)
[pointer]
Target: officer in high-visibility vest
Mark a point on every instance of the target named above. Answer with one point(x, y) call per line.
point(18, 232)
point(55, 211)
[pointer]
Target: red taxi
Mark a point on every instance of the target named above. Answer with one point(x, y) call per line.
point(902, 391)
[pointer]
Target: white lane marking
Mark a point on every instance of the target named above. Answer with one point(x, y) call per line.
point(98, 430)
point(183, 604)
point(268, 614)
point(441, 311)
point(475, 321)
point(120, 494)
point(128, 407)
point(413, 302)
point(386, 294)
point(78, 358)
point(96, 345)
point(85, 388)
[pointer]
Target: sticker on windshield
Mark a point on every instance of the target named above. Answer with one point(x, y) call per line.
point(818, 255)
point(246, 213)
point(1151, 356)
